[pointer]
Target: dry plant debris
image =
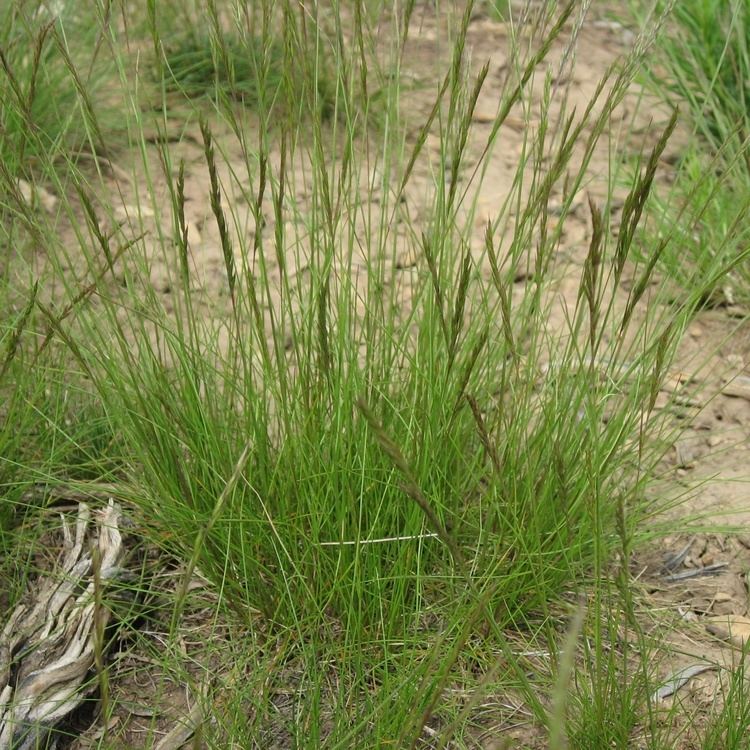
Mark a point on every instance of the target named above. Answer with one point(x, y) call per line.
point(49, 644)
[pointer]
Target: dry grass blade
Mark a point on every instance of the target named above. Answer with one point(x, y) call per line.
point(182, 731)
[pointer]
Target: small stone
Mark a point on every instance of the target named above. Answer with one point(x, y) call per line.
point(725, 608)
point(737, 387)
point(485, 215)
point(687, 615)
point(483, 113)
point(125, 212)
point(736, 361)
point(732, 628)
point(714, 440)
point(407, 258)
point(194, 235)
point(37, 195)
point(518, 124)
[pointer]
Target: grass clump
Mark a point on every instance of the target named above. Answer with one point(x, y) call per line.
point(386, 444)
point(708, 50)
point(196, 69)
point(265, 59)
point(51, 71)
point(705, 61)
point(380, 424)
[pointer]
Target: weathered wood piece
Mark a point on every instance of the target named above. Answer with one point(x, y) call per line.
point(47, 646)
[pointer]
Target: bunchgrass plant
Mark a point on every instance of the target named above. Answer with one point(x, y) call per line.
point(394, 474)
point(196, 70)
point(245, 60)
point(50, 56)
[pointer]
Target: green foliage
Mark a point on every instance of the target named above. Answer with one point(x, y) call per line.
point(730, 723)
point(704, 54)
point(196, 68)
point(52, 71)
point(709, 61)
point(385, 471)
point(274, 72)
point(500, 9)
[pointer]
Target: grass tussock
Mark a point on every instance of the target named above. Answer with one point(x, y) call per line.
point(267, 59)
point(394, 476)
point(54, 64)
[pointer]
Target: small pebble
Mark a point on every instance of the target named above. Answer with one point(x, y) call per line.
point(736, 361)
